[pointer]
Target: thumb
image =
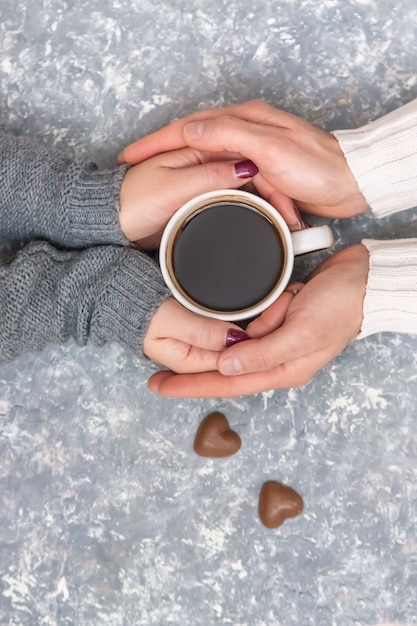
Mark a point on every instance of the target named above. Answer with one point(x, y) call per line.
point(287, 343)
point(229, 134)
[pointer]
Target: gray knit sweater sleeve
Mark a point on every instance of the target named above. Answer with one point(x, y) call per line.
point(102, 292)
point(45, 195)
point(105, 293)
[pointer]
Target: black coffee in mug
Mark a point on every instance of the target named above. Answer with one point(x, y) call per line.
point(228, 256)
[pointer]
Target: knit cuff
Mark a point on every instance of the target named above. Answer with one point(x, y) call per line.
point(391, 293)
point(92, 204)
point(45, 195)
point(383, 159)
point(130, 301)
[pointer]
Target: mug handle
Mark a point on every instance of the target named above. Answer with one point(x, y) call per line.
point(310, 239)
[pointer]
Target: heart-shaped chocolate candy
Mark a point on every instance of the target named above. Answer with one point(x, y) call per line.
point(278, 502)
point(214, 437)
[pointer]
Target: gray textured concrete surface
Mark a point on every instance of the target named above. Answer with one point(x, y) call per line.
point(107, 517)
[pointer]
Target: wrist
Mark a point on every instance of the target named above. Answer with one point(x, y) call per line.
point(353, 198)
point(134, 294)
point(128, 199)
point(92, 201)
point(347, 274)
point(68, 202)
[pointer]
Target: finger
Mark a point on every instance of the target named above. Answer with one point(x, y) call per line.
point(187, 157)
point(165, 139)
point(293, 340)
point(186, 342)
point(213, 384)
point(232, 134)
point(173, 321)
point(171, 137)
point(183, 358)
point(295, 287)
point(209, 384)
point(188, 182)
point(155, 381)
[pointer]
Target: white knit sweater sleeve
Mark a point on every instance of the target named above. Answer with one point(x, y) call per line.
point(390, 302)
point(383, 158)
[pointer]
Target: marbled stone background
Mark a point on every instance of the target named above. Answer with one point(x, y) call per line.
point(107, 517)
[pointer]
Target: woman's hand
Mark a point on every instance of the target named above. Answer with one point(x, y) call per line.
point(186, 342)
point(291, 341)
point(294, 158)
point(153, 190)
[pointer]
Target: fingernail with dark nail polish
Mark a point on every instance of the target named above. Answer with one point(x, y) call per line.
point(245, 169)
point(234, 336)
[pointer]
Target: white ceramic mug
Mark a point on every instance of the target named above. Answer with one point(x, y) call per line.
point(293, 243)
